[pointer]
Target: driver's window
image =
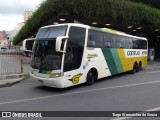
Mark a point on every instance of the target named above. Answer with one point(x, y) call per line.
point(75, 47)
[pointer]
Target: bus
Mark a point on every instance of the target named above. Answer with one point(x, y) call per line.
point(69, 54)
point(27, 45)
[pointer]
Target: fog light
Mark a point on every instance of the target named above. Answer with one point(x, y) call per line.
point(55, 75)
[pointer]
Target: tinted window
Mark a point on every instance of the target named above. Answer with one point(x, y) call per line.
point(135, 43)
point(128, 43)
point(108, 40)
point(120, 41)
point(52, 32)
point(143, 44)
point(94, 39)
point(75, 47)
point(44, 56)
point(29, 44)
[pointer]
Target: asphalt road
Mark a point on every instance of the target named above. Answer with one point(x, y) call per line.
point(124, 92)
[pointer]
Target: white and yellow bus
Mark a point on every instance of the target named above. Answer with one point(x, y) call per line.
point(70, 54)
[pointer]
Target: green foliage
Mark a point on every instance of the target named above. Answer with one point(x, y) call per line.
point(129, 11)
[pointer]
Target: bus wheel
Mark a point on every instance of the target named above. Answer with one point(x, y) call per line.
point(91, 77)
point(134, 68)
point(139, 67)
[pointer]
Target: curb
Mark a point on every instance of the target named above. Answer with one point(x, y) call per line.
point(12, 76)
point(9, 84)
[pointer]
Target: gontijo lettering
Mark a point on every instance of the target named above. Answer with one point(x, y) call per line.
point(130, 53)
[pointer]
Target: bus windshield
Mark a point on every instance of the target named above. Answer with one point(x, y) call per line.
point(44, 56)
point(52, 32)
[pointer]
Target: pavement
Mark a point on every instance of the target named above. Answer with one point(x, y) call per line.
point(12, 81)
point(9, 81)
point(153, 65)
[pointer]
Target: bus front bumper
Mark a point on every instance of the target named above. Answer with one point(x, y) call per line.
point(50, 82)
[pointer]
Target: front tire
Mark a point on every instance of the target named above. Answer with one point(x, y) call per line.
point(91, 77)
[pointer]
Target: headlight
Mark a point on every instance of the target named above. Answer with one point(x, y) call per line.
point(55, 75)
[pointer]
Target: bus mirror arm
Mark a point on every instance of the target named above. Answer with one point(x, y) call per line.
point(61, 43)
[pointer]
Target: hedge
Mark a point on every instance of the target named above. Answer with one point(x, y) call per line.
point(127, 10)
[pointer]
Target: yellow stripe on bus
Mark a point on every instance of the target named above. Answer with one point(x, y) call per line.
point(127, 63)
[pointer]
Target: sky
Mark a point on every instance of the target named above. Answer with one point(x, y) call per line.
point(12, 11)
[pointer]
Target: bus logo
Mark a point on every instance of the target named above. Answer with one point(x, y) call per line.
point(130, 53)
point(75, 78)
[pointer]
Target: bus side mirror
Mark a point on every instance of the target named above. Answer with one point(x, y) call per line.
point(61, 43)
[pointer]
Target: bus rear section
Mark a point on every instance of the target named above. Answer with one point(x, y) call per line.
point(115, 52)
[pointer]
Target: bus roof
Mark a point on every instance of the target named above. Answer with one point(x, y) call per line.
point(68, 24)
point(97, 29)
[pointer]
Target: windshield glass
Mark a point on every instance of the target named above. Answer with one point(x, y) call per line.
point(51, 32)
point(44, 55)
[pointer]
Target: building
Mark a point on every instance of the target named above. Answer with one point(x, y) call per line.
point(19, 26)
point(27, 15)
point(3, 39)
point(11, 34)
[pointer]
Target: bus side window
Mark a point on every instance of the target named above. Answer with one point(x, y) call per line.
point(119, 45)
point(123, 42)
point(91, 43)
point(107, 44)
point(128, 42)
point(135, 43)
point(120, 41)
point(143, 44)
point(108, 40)
point(139, 44)
point(94, 39)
